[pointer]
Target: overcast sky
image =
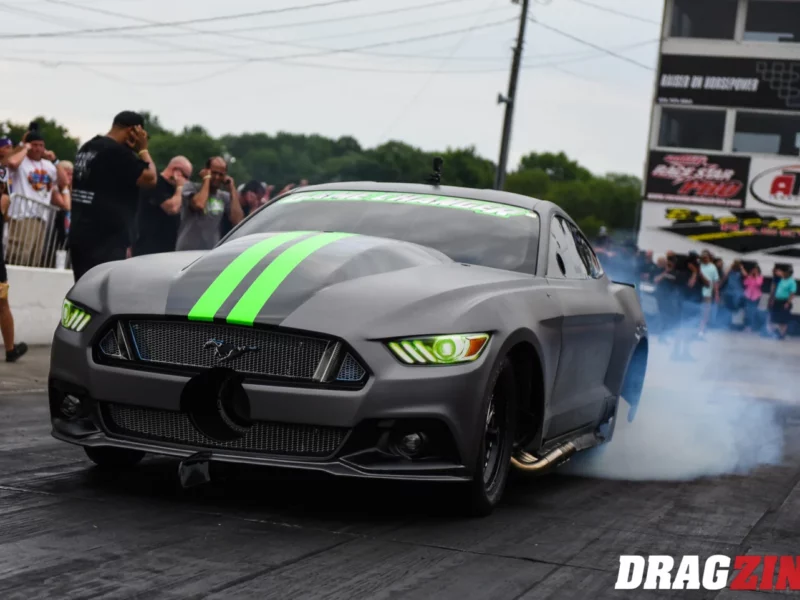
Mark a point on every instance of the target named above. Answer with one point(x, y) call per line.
point(226, 73)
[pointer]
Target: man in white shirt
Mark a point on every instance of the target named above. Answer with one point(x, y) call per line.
point(34, 189)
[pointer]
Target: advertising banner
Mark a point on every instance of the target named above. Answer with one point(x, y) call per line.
point(775, 185)
point(731, 82)
point(763, 237)
point(702, 179)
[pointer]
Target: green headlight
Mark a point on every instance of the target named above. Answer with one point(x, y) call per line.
point(440, 349)
point(74, 318)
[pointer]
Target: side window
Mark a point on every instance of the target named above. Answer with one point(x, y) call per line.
point(589, 258)
point(564, 260)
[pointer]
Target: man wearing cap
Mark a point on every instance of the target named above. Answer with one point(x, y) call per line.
point(34, 189)
point(109, 172)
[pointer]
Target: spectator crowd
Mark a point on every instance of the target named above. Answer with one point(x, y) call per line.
point(690, 294)
point(110, 203)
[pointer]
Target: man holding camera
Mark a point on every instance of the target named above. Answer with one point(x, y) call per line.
point(109, 172)
point(205, 205)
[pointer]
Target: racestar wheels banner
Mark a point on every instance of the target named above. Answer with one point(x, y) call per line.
point(775, 185)
point(703, 179)
point(766, 238)
point(729, 82)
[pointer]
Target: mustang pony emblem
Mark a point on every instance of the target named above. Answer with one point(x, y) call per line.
point(225, 351)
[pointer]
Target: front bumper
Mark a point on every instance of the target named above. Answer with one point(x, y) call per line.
point(443, 402)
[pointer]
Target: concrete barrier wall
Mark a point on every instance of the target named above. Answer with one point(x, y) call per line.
point(36, 297)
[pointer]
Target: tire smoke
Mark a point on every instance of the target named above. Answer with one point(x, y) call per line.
point(689, 423)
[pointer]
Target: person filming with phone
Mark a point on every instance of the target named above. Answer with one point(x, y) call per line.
point(204, 206)
point(108, 173)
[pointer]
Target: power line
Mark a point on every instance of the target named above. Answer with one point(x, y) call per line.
point(429, 79)
point(348, 18)
point(577, 59)
point(257, 59)
point(617, 12)
point(160, 42)
point(217, 19)
point(280, 43)
point(590, 44)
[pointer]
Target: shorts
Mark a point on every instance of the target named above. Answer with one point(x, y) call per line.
point(779, 314)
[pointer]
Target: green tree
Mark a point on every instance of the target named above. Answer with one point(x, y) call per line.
point(557, 166)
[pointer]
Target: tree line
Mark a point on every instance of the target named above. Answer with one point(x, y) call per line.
point(611, 200)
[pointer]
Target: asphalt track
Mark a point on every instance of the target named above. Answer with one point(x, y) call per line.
point(68, 532)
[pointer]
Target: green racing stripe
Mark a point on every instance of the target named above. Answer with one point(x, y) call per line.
point(257, 295)
point(223, 286)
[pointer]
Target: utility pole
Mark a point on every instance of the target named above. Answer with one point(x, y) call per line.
point(510, 99)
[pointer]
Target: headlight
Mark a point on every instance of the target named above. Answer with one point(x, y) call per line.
point(440, 349)
point(74, 318)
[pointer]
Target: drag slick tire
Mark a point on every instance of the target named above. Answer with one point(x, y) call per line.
point(486, 489)
point(109, 457)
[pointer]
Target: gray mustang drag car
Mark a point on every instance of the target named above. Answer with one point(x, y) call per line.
point(394, 331)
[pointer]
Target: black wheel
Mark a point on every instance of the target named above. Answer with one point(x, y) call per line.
point(108, 457)
point(497, 441)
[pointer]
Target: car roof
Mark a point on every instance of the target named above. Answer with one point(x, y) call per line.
point(518, 200)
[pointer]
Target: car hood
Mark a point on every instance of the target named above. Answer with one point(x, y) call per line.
point(338, 284)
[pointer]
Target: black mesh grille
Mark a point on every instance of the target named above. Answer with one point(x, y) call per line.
point(268, 438)
point(270, 353)
point(350, 370)
point(109, 345)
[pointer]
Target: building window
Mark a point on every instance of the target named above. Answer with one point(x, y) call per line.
point(700, 129)
point(773, 21)
point(759, 133)
point(709, 19)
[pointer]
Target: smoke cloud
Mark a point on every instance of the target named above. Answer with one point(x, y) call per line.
point(692, 422)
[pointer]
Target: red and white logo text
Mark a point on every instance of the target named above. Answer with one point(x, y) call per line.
point(762, 573)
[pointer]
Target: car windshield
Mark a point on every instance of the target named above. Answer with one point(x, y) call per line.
point(468, 231)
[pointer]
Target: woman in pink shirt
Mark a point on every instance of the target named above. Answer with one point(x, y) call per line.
point(753, 281)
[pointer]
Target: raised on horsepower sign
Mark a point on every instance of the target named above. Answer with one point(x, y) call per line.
point(750, 572)
point(733, 82)
point(702, 179)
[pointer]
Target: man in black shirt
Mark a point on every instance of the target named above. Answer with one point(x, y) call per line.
point(158, 216)
point(109, 171)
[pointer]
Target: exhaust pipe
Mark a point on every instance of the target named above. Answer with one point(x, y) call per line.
point(531, 464)
point(528, 462)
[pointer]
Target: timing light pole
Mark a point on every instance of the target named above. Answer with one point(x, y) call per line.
point(510, 99)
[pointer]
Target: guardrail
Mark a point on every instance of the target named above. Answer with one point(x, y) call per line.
point(35, 234)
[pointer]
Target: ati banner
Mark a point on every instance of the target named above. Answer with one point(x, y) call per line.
point(731, 82)
point(775, 185)
point(703, 179)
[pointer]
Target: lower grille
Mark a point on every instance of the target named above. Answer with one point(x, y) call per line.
point(269, 438)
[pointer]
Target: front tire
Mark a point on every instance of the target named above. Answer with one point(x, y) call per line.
point(116, 458)
point(496, 443)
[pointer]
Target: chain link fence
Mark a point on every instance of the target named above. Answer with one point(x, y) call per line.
point(35, 234)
